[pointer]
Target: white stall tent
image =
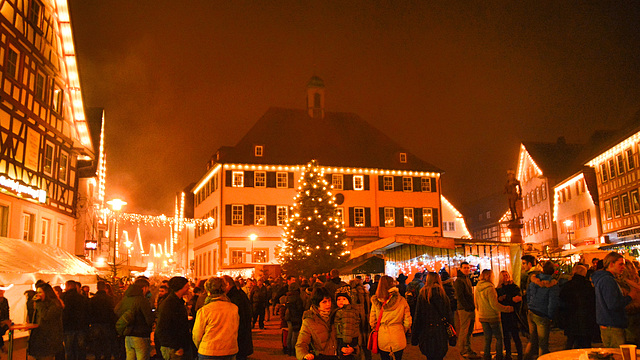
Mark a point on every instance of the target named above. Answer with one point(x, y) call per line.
point(22, 263)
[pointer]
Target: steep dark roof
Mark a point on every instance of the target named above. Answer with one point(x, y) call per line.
point(556, 160)
point(291, 137)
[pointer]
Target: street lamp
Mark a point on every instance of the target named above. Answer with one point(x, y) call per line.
point(116, 206)
point(568, 224)
point(253, 238)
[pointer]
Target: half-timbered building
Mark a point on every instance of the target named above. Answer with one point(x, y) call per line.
point(43, 130)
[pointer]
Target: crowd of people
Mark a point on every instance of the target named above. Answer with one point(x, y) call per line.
point(325, 318)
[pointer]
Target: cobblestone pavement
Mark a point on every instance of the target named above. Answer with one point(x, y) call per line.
point(267, 345)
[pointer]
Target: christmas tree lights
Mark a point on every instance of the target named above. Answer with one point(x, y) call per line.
point(314, 239)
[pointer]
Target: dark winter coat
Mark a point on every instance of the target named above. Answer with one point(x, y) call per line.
point(101, 309)
point(333, 284)
point(429, 331)
point(143, 321)
point(172, 328)
point(578, 304)
point(464, 292)
point(46, 339)
point(294, 309)
point(75, 315)
point(245, 342)
point(259, 297)
point(610, 302)
point(509, 291)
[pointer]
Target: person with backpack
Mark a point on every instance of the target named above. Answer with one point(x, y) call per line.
point(135, 320)
point(412, 292)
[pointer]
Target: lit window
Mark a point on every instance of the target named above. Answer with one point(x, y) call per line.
point(339, 216)
point(281, 179)
point(403, 157)
point(258, 150)
point(425, 184)
point(408, 217)
point(28, 221)
point(48, 159)
point(603, 173)
point(237, 256)
point(336, 181)
point(238, 179)
point(543, 191)
point(388, 183)
point(40, 86)
point(389, 217)
point(35, 13)
point(631, 164)
point(407, 183)
point(358, 216)
point(237, 212)
point(260, 256)
point(260, 179)
point(607, 210)
point(358, 182)
point(4, 220)
point(626, 205)
point(452, 226)
point(63, 166)
point(620, 160)
point(612, 169)
point(44, 231)
point(635, 201)
point(12, 63)
point(616, 207)
point(283, 215)
point(260, 214)
point(427, 217)
point(58, 97)
point(61, 229)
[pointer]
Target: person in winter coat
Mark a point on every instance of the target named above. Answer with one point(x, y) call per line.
point(317, 337)
point(543, 303)
point(489, 309)
point(259, 298)
point(172, 328)
point(395, 321)
point(5, 320)
point(509, 294)
point(215, 331)
point(429, 330)
point(466, 309)
point(102, 320)
point(348, 322)
point(239, 298)
point(413, 290)
point(629, 283)
point(334, 282)
point(75, 320)
point(610, 301)
point(578, 299)
point(138, 341)
point(45, 341)
point(294, 310)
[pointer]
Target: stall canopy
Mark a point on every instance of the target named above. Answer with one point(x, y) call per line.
point(372, 265)
point(382, 245)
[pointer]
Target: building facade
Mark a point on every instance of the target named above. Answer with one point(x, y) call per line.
point(42, 123)
point(381, 189)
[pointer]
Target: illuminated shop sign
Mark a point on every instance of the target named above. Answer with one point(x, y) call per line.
point(23, 190)
point(629, 232)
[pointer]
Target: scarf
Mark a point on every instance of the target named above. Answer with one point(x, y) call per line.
point(217, 297)
point(324, 314)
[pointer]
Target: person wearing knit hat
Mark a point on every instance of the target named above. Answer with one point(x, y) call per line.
point(347, 320)
point(172, 328)
point(215, 331)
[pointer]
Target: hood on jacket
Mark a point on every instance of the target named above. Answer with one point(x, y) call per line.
point(600, 275)
point(133, 290)
point(394, 299)
point(483, 285)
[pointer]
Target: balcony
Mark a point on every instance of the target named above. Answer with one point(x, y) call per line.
point(362, 231)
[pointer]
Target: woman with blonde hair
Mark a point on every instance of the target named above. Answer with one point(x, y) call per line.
point(489, 309)
point(509, 294)
point(432, 318)
point(392, 312)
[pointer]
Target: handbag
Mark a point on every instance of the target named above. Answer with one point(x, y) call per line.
point(372, 342)
point(451, 332)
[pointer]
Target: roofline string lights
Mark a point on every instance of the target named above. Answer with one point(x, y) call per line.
point(523, 153)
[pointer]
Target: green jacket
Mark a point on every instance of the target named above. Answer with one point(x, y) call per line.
point(347, 321)
point(316, 336)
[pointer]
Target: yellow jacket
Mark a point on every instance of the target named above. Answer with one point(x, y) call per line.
point(215, 332)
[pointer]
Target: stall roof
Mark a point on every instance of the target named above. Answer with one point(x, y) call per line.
point(619, 244)
point(379, 246)
point(22, 257)
point(372, 265)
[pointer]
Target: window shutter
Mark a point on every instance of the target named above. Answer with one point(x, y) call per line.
point(381, 182)
point(271, 215)
point(397, 183)
point(433, 185)
point(290, 179)
point(227, 215)
point(366, 182)
point(328, 178)
point(367, 217)
point(248, 215)
point(227, 178)
point(417, 215)
point(399, 217)
point(417, 184)
point(348, 181)
point(271, 179)
point(351, 217)
point(382, 219)
point(436, 219)
point(248, 179)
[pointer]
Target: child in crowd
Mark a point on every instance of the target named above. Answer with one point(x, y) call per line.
point(347, 321)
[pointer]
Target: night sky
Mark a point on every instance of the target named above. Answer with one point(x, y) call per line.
point(458, 83)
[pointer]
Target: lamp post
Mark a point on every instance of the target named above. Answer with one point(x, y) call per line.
point(253, 238)
point(568, 224)
point(116, 206)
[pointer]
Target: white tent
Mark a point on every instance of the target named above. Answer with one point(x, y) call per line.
point(22, 263)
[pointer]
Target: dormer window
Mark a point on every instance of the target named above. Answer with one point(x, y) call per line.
point(403, 157)
point(258, 150)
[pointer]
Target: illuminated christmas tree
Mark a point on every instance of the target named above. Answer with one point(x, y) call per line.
point(314, 238)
